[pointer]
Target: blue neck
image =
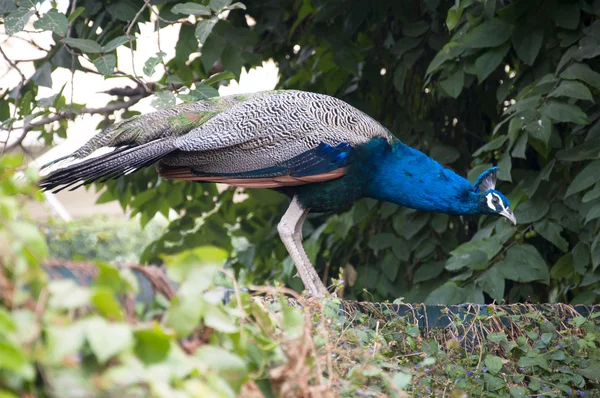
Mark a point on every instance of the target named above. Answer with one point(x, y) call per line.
point(407, 177)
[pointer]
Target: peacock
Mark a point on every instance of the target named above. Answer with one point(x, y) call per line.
point(319, 150)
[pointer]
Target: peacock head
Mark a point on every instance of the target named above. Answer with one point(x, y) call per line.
point(492, 201)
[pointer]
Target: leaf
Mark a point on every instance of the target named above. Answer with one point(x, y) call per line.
point(64, 341)
point(563, 267)
point(592, 194)
point(152, 344)
point(54, 21)
point(494, 144)
point(190, 9)
point(453, 84)
point(106, 64)
point(382, 241)
point(493, 383)
point(72, 16)
point(152, 63)
point(415, 29)
point(493, 364)
point(492, 282)
point(453, 16)
point(587, 151)
point(563, 112)
point(203, 29)
point(163, 100)
point(592, 214)
point(115, 43)
point(401, 380)
point(477, 260)
point(527, 42)
point(217, 5)
point(444, 154)
point(107, 339)
point(540, 129)
point(518, 392)
point(217, 77)
point(550, 231)
point(16, 20)
point(490, 33)
point(572, 89)
point(585, 178)
point(184, 264)
point(216, 318)
point(489, 61)
point(293, 320)
point(204, 92)
point(447, 294)
point(531, 210)
point(84, 45)
point(232, 60)
point(523, 263)
point(428, 271)
point(567, 15)
point(582, 72)
point(104, 301)
point(225, 363)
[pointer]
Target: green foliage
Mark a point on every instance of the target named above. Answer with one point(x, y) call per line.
point(496, 84)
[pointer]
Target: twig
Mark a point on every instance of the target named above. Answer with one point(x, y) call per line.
point(18, 91)
point(72, 113)
point(128, 34)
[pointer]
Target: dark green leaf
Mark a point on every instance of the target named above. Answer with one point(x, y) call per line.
point(563, 112)
point(523, 263)
point(72, 16)
point(592, 194)
point(531, 211)
point(582, 72)
point(415, 29)
point(489, 61)
point(550, 231)
point(492, 282)
point(540, 129)
point(527, 42)
point(115, 43)
point(592, 214)
point(563, 267)
point(217, 77)
point(54, 21)
point(190, 9)
point(587, 151)
point(490, 33)
point(567, 15)
point(203, 29)
point(572, 89)
point(453, 85)
point(217, 5)
point(493, 364)
point(475, 260)
point(106, 64)
point(447, 294)
point(16, 20)
point(494, 144)
point(428, 271)
point(152, 63)
point(585, 178)
point(232, 60)
point(85, 45)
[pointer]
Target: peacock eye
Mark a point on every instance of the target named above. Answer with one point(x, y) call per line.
point(495, 201)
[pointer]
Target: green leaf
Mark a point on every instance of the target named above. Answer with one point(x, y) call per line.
point(428, 271)
point(217, 5)
point(567, 15)
point(184, 314)
point(64, 341)
point(232, 60)
point(401, 380)
point(493, 383)
point(152, 63)
point(523, 263)
point(582, 72)
point(453, 16)
point(106, 64)
point(447, 294)
point(152, 344)
point(585, 178)
point(572, 89)
point(540, 129)
point(493, 364)
point(531, 211)
point(592, 214)
point(527, 42)
point(203, 29)
point(563, 268)
point(107, 339)
point(203, 92)
point(415, 29)
point(476, 260)
point(490, 33)
point(182, 265)
point(163, 100)
point(115, 43)
point(16, 20)
point(563, 112)
point(550, 231)
point(494, 144)
point(225, 363)
point(105, 302)
point(492, 282)
point(382, 241)
point(518, 392)
point(293, 320)
point(72, 16)
point(84, 45)
point(453, 85)
point(592, 194)
point(190, 9)
point(586, 151)
point(489, 61)
point(54, 21)
point(217, 77)
point(215, 317)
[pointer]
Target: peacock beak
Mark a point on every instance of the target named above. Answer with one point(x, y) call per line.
point(509, 214)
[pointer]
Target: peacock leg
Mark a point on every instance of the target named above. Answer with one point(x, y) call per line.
point(290, 231)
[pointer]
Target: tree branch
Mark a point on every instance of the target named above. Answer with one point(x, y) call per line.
point(73, 113)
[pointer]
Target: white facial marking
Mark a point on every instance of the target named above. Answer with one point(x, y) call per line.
point(489, 201)
point(500, 201)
